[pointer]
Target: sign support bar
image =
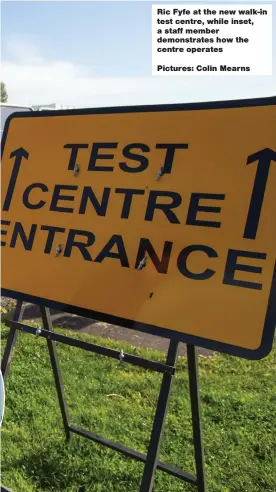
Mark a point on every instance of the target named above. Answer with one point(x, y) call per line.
point(159, 422)
point(47, 323)
point(196, 416)
point(168, 370)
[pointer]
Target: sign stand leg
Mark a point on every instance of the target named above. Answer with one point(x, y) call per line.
point(47, 325)
point(8, 352)
point(159, 421)
point(12, 337)
point(196, 416)
point(167, 369)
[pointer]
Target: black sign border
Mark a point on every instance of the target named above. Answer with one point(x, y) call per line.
point(270, 321)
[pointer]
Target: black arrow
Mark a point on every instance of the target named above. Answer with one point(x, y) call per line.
point(264, 157)
point(19, 154)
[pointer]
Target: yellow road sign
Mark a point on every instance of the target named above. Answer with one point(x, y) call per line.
point(158, 218)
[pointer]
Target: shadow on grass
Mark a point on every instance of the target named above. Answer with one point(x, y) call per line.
point(76, 466)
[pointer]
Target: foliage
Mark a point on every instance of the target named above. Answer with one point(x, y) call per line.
point(4, 94)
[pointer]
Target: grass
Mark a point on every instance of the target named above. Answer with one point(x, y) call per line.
point(238, 409)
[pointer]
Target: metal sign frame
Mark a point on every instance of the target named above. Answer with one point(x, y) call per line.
point(270, 319)
point(167, 369)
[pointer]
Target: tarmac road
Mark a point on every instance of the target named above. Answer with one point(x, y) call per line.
point(97, 328)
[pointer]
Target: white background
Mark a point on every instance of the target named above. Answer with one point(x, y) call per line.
point(257, 53)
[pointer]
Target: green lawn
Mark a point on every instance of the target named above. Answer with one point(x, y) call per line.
point(238, 406)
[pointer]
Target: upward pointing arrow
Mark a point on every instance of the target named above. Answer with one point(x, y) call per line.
point(19, 154)
point(264, 158)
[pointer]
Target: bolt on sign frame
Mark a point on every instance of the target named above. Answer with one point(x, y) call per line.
point(175, 202)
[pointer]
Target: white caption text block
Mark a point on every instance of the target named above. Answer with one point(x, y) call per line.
point(212, 39)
